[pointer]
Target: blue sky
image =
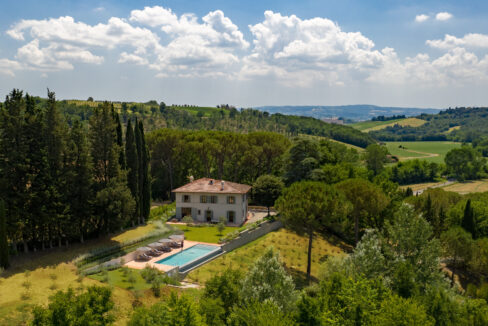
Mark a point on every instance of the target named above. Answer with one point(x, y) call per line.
point(249, 53)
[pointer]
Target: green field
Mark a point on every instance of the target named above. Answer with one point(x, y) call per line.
point(367, 126)
point(293, 252)
point(432, 151)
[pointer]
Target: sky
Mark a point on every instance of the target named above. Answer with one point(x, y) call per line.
point(249, 53)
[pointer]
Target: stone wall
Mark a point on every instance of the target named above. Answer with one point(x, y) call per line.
point(247, 236)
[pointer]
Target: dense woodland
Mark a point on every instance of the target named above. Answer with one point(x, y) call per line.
point(62, 182)
point(459, 124)
point(224, 118)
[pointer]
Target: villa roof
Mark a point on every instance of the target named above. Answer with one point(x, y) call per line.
point(207, 185)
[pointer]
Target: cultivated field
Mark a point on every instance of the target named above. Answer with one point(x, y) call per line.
point(367, 126)
point(432, 151)
point(468, 186)
point(292, 248)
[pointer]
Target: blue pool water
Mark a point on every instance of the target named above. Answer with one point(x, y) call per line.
point(187, 255)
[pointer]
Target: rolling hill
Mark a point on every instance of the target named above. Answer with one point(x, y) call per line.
point(358, 112)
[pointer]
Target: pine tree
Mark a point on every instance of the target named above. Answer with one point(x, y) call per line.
point(4, 259)
point(132, 161)
point(468, 219)
point(146, 182)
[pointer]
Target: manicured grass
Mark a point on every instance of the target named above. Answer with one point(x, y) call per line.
point(293, 252)
point(34, 277)
point(432, 151)
point(208, 234)
point(468, 186)
point(367, 126)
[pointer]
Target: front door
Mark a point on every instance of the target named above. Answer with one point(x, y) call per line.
point(208, 216)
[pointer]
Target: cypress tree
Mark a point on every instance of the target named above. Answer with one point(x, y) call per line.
point(140, 171)
point(146, 183)
point(468, 219)
point(132, 161)
point(122, 161)
point(4, 259)
point(429, 212)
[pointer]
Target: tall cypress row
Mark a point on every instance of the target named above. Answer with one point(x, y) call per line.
point(132, 162)
point(468, 219)
point(146, 183)
point(140, 171)
point(4, 259)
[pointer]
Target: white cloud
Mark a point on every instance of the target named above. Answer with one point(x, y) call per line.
point(65, 29)
point(302, 51)
point(421, 18)
point(472, 40)
point(8, 67)
point(195, 48)
point(132, 58)
point(98, 9)
point(443, 16)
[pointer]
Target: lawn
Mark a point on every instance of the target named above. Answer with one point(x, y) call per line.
point(432, 151)
point(366, 126)
point(292, 248)
point(467, 187)
point(208, 234)
point(120, 279)
point(34, 277)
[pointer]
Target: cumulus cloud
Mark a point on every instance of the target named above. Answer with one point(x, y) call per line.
point(8, 67)
point(132, 58)
point(301, 51)
point(472, 40)
point(421, 18)
point(202, 48)
point(443, 16)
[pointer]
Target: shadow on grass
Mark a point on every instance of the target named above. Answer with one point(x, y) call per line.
point(65, 254)
point(300, 277)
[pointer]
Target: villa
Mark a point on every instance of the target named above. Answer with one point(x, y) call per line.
point(207, 200)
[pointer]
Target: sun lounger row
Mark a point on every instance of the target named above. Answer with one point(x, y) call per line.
point(156, 249)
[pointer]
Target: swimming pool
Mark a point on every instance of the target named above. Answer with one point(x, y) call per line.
point(188, 255)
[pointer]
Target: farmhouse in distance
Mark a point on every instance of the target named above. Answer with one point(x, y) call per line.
point(207, 200)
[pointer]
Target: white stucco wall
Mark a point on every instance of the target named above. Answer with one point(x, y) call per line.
point(219, 209)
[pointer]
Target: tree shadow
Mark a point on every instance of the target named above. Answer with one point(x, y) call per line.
point(300, 277)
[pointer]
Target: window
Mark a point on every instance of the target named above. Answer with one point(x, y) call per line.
point(231, 216)
point(213, 199)
point(203, 199)
point(186, 198)
point(231, 200)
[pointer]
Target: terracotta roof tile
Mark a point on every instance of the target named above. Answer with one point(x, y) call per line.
point(207, 185)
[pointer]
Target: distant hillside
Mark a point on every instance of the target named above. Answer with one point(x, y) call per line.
point(367, 126)
point(459, 124)
point(358, 112)
point(224, 118)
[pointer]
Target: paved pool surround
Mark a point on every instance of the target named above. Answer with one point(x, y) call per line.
point(167, 268)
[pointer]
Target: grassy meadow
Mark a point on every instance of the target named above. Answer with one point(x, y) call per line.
point(35, 276)
point(292, 248)
point(432, 151)
point(366, 126)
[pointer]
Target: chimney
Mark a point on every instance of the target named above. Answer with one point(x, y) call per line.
point(222, 183)
point(191, 178)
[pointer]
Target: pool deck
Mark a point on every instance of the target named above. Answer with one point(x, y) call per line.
point(165, 268)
